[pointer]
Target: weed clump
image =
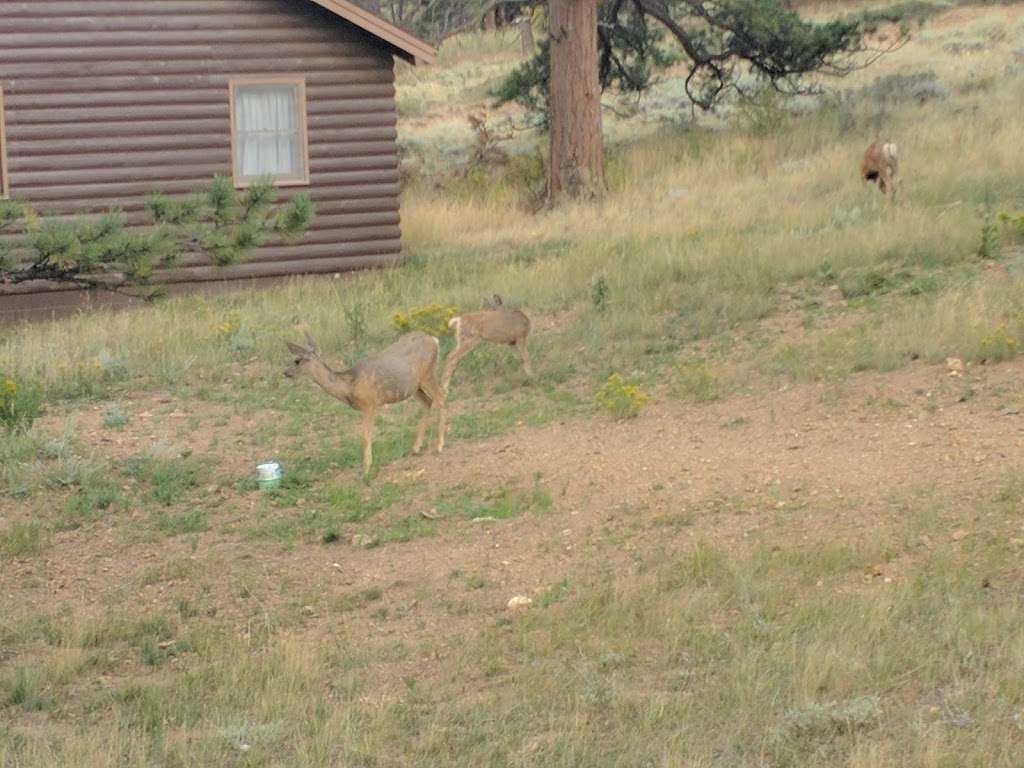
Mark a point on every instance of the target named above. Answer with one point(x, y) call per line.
point(620, 398)
point(822, 721)
point(20, 404)
point(990, 245)
point(599, 293)
point(233, 333)
point(115, 417)
point(999, 345)
point(432, 319)
point(695, 381)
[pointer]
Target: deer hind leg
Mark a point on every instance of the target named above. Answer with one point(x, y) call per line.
point(886, 184)
point(368, 417)
point(421, 428)
point(465, 347)
point(524, 354)
point(429, 390)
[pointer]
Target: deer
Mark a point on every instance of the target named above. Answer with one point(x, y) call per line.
point(396, 373)
point(495, 324)
point(881, 165)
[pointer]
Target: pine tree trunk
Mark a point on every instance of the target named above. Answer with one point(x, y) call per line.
point(491, 20)
point(576, 169)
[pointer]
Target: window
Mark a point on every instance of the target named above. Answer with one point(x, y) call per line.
point(268, 131)
point(5, 184)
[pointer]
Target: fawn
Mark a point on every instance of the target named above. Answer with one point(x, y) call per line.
point(881, 165)
point(396, 373)
point(495, 324)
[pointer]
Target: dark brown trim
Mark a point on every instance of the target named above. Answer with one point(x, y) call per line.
point(411, 48)
point(241, 182)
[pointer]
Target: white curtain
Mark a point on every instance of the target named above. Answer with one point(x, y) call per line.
point(267, 124)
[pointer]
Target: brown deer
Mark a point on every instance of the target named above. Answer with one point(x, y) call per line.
point(396, 373)
point(495, 324)
point(881, 165)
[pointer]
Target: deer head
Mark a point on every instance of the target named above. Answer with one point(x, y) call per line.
point(303, 356)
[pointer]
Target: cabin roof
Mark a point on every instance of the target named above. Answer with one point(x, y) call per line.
point(407, 46)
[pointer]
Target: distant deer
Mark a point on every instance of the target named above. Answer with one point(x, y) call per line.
point(495, 324)
point(881, 165)
point(396, 373)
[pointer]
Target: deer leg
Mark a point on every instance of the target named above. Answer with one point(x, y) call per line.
point(456, 355)
point(524, 353)
point(437, 397)
point(368, 416)
point(885, 183)
point(421, 428)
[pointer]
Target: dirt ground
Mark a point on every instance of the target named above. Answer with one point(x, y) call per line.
point(805, 464)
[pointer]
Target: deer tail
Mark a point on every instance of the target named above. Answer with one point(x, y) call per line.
point(456, 325)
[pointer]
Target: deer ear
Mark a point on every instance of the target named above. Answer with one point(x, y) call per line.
point(295, 349)
point(311, 343)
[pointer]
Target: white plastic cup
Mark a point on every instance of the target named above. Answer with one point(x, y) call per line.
point(268, 475)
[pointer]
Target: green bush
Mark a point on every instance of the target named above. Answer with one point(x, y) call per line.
point(20, 404)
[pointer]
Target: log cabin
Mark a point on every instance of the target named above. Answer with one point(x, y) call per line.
point(105, 101)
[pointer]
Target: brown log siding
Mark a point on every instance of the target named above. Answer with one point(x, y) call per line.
point(107, 100)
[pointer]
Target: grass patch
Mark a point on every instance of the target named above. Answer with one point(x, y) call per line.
point(300, 512)
point(499, 504)
point(171, 523)
point(407, 528)
point(695, 381)
point(91, 501)
point(168, 570)
point(23, 538)
point(171, 480)
point(23, 688)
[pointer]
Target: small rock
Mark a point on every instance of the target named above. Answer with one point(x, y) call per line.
point(364, 541)
point(485, 519)
point(955, 366)
point(519, 602)
point(308, 610)
point(959, 534)
point(431, 514)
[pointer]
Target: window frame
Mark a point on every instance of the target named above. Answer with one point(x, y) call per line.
point(299, 83)
point(5, 163)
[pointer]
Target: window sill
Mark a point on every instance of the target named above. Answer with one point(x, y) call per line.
point(246, 183)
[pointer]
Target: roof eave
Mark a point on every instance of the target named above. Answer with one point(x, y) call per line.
point(406, 46)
